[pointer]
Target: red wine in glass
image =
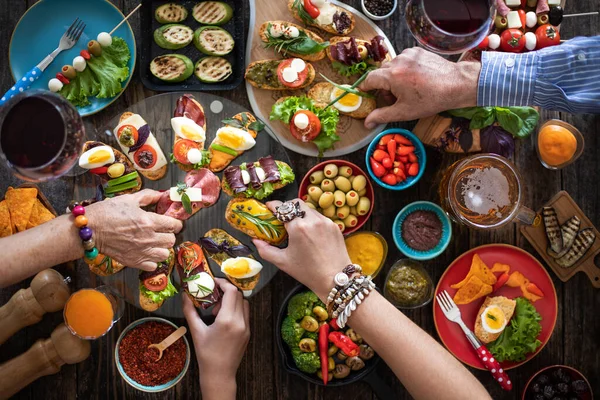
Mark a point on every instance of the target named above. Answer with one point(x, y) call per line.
point(41, 135)
point(449, 26)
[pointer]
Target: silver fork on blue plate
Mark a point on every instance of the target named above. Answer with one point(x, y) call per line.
point(67, 41)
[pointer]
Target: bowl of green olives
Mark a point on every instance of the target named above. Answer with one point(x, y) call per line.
point(341, 191)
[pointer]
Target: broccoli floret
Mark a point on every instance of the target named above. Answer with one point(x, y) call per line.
point(301, 305)
point(312, 335)
point(306, 362)
point(291, 332)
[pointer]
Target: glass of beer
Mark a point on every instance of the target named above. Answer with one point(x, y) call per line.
point(484, 191)
point(91, 313)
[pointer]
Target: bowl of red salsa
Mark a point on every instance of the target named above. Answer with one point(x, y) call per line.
point(137, 364)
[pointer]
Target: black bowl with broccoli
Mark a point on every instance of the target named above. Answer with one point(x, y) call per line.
point(297, 327)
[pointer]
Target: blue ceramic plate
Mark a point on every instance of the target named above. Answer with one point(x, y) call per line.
point(446, 231)
point(38, 32)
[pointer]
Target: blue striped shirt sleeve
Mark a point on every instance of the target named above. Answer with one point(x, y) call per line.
point(562, 78)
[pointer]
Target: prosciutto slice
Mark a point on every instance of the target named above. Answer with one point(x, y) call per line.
point(233, 177)
point(188, 107)
point(201, 178)
point(254, 181)
point(502, 8)
point(542, 7)
point(270, 167)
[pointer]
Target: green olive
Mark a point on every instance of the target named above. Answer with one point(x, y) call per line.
point(317, 177)
point(351, 221)
point(343, 184)
point(94, 48)
point(69, 72)
point(315, 192)
point(355, 337)
point(330, 364)
point(320, 313)
point(363, 52)
point(542, 19)
point(342, 212)
point(308, 345)
point(339, 198)
point(359, 183)
point(345, 171)
point(329, 375)
point(326, 200)
point(363, 206)
point(327, 185)
point(331, 171)
point(309, 323)
point(329, 212)
point(340, 224)
point(311, 205)
point(116, 170)
point(501, 22)
point(332, 350)
point(352, 198)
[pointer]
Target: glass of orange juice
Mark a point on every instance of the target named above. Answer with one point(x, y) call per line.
point(90, 313)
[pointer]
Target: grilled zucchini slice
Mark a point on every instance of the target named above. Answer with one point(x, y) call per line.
point(212, 12)
point(213, 41)
point(213, 69)
point(170, 13)
point(172, 67)
point(173, 36)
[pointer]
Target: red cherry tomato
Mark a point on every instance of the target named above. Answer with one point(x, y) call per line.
point(85, 54)
point(378, 169)
point(189, 256)
point(99, 170)
point(485, 43)
point(62, 78)
point(413, 170)
point(311, 9)
point(523, 19)
point(301, 75)
point(387, 163)
point(512, 41)
point(145, 156)
point(156, 283)
point(181, 149)
point(311, 131)
point(132, 129)
point(379, 155)
point(547, 35)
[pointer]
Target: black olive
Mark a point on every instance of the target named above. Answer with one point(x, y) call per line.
point(549, 391)
point(562, 388)
point(555, 15)
point(579, 386)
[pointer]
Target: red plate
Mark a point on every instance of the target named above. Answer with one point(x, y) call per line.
point(519, 260)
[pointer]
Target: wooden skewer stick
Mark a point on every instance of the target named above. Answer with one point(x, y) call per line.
point(581, 14)
point(125, 19)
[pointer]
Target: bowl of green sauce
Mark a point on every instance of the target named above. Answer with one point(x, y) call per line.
point(408, 285)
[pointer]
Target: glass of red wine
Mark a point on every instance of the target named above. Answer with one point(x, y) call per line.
point(41, 135)
point(450, 26)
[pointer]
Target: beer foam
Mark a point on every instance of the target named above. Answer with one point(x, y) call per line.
point(485, 191)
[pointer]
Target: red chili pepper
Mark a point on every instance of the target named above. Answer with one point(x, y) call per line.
point(390, 179)
point(402, 159)
point(484, 43)
point(311, 9)
point(384, 140)
point(500, 281)
point(379, 155)
point(323, 348)
point(344, 343)
point(532, 288)
point(402, 140)
point(334, 325)
point(412, 158)
point(387, 163)
point(413, 170)
point(391, 148)
point(400, 175)
point(523, 18)
point(85, 54)
point(62, 78)
point(99, 170)
point(381, 147)
point(377, 168)
point(405, 150)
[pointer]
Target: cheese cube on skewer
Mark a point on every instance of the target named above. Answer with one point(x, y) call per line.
point(513, 3)
point(514, 21)
point(552, 3)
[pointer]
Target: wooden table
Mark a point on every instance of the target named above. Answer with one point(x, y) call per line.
point(261, 376)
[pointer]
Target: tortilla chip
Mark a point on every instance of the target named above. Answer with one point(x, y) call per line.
point(39, 215)
point(472, 290)
point(478, 269)
point(517, 279)
point(6, 226)
point(20, 204)
point(528, 295)
point(501, 268)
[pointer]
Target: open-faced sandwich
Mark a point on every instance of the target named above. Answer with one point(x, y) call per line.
point(140, 146)
point(231, 140)
point(189, 126)
point(234, 258)
point(200, 189)
point(156, 286)
point(258, 179)
point(117, 173)
point(323, 14)
point(196, 277)
point(287, 74)
point(307, 121)
point(104, 265)
point(355, 103)
point(494, 314)
point(290, 39)
point(351, 56)
point(255, 220)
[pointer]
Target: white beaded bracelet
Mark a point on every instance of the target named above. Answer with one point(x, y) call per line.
point(366, 287)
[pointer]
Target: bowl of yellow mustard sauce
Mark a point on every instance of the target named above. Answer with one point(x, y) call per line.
point(367, 249)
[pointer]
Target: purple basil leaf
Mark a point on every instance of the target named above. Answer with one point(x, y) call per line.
point(238, 250)
point(143, 134)
point(209, 245)
point(495, 139)
point(465, 139)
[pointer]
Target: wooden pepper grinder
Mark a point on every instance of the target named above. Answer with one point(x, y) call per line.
point(45, 357)
point(48, 293)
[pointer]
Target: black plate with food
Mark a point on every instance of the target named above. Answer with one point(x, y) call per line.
point(367, 373)
point(192, 44)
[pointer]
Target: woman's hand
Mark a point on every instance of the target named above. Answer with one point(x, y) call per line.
point(220, 346)
point(316, 250)
point(420, 84)
point(132, 236)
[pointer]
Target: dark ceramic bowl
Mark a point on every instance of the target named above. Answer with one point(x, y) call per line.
point(572, 373)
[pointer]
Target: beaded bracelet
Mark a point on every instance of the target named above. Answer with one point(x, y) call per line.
point(358, 298)
point(342, 280)
point(85, 233)
point(348, 293)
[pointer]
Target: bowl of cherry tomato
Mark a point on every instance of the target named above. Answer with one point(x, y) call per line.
point(396, 159)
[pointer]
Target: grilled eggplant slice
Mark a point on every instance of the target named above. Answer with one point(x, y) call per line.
point(213, 41)
point(173, 36)
point(212, 12)
point(170, 13)
point(552, 229)
point(583, 241)
point(568, 232)
point(213, 69)
point(172, 67)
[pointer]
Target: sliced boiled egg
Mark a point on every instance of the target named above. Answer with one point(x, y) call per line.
point(201, 286)
point(350, 102)
point(493, 319)
point(235, 138)
point(241, 267)
point(97, 157)
point(188, 129)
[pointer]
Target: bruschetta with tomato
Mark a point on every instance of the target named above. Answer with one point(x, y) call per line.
point(139, 144)
point(324, 15)
point(189, 126)
point(116, 171)
point(258, 179)
point(196, 277)
point(290, 39)
point(351, 56)
point(156, 286)
point(288, 74)
point(352, 105)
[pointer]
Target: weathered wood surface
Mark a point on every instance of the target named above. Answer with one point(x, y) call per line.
point(261, 376)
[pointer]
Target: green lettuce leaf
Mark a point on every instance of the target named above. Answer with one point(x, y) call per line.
point(286, 176)
point(520, 337)
point(157, 297)
point(118, 52)
point(349, 70)
point(286, 173)
point(108, 75)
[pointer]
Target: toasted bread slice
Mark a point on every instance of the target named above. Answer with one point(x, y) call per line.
point(217, 292)
point(176, 138)
point(121, 158)
point(220, 160)
point(145, 302)
point(359, 42)
point(104, 265)
point(276, 185)
point(307, 57)
point(263, 85)
point(508, 308)
point(321, 94)
point(152, 175)
point(327, 28)
point(271, 229)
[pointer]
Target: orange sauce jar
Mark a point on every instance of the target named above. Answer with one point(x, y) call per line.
point(558, 144)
